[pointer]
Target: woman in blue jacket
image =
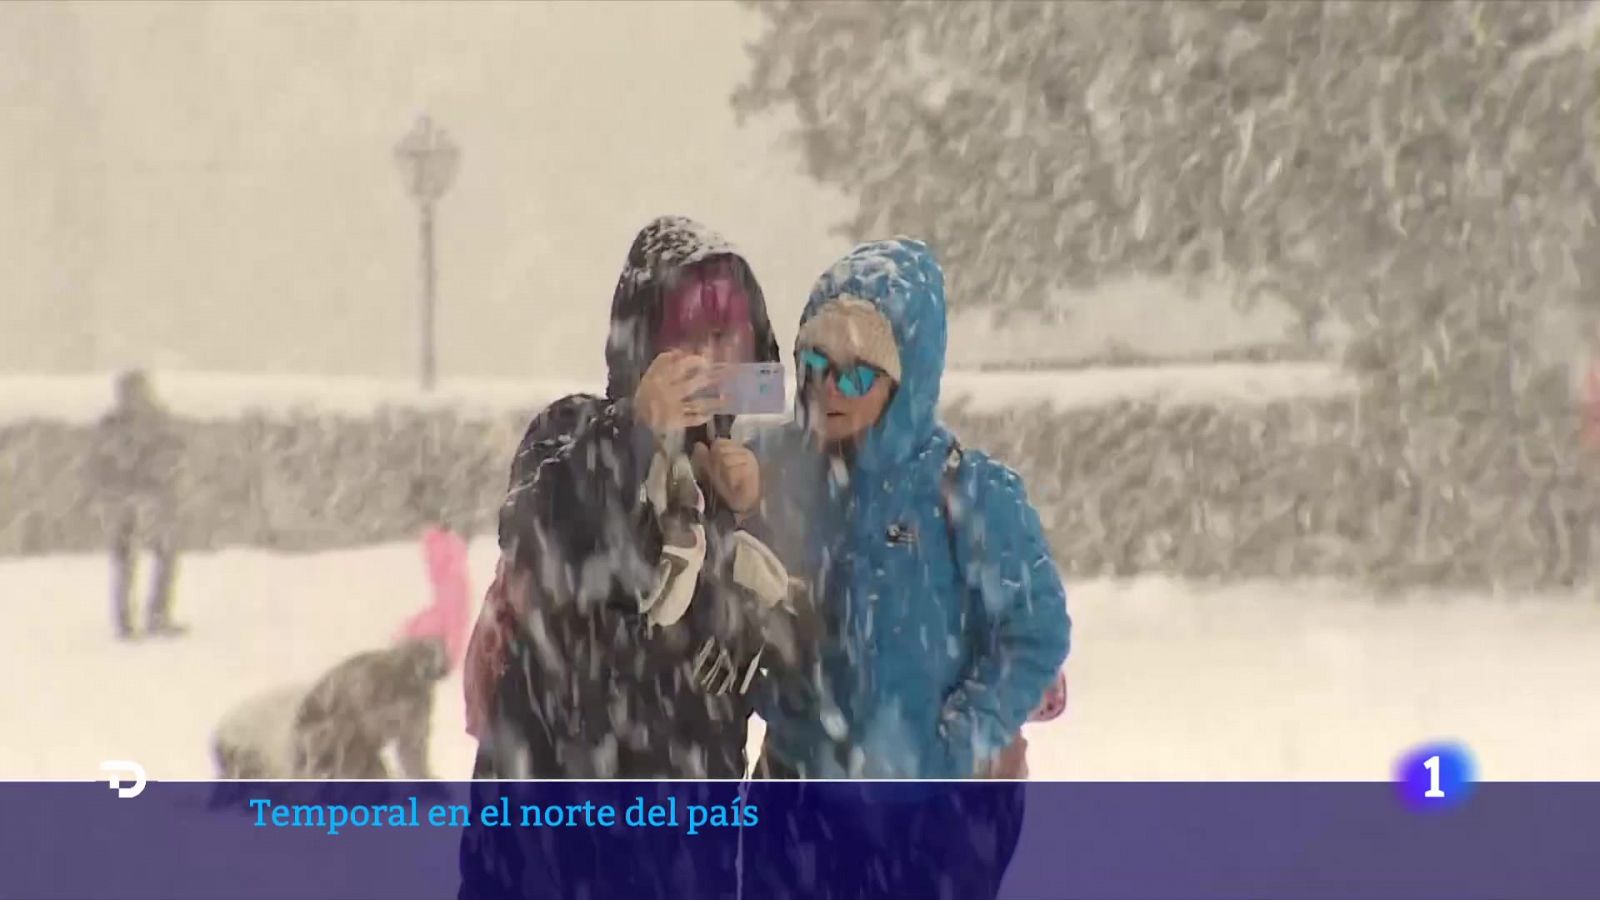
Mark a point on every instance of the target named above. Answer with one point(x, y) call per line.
point(946, 617)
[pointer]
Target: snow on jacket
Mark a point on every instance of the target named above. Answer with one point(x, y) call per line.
point(583, 685)
point(942, 635)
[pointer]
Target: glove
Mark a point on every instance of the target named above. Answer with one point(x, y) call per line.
point(679, 506)
point(758, 570)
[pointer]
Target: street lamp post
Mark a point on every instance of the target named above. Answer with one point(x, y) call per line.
point(428, 160)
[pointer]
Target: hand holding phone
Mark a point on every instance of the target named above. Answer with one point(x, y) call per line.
point(733, 471)
point(677, 391)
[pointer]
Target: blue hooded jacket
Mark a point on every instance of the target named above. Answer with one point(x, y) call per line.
point(942, 635)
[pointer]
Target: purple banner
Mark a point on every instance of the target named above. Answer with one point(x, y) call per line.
point(291, 840)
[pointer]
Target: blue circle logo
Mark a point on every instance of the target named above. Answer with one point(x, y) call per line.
point(1435, 776)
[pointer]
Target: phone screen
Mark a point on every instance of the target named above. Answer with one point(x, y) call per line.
point(752, 389)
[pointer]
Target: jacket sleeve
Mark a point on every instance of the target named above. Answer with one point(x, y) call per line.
point(573, 514)
point(791, 632)
point(780, 627)
point(1015, 583)
point(564, 535)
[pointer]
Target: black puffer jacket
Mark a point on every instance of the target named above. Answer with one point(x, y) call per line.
point(593, 690)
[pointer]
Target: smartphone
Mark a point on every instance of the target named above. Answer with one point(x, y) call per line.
point(752, 389)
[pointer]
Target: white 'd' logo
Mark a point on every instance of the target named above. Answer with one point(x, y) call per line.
point(125, 767)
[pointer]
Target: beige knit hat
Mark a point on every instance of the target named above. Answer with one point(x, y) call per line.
point(848, 329)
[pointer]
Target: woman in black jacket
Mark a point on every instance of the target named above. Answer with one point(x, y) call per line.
point(632, 648)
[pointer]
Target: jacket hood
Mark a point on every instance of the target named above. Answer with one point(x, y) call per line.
point(660, 251)
point(903, 280)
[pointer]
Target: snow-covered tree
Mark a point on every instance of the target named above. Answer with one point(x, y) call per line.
point(1425, 172)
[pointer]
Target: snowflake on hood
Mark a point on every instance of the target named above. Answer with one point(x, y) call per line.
point(670, 243)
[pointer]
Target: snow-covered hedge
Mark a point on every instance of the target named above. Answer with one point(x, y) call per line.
point(1269, 489)
point(290, 481)
point(1292, 488)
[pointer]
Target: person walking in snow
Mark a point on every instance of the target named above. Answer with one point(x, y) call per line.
point(946, 617)
point(636, 602)
point(134, 470)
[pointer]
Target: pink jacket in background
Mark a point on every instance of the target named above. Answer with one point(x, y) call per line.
point(1590, 407)
point(445, 555)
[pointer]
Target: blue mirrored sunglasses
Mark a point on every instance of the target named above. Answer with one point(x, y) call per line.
point(853, 381)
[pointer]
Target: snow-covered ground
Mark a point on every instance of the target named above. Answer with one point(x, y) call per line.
point(1298, 681)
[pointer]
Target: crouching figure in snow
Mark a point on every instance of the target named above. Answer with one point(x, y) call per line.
point(346, 724)
point(343, 725)
point(367, 704)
